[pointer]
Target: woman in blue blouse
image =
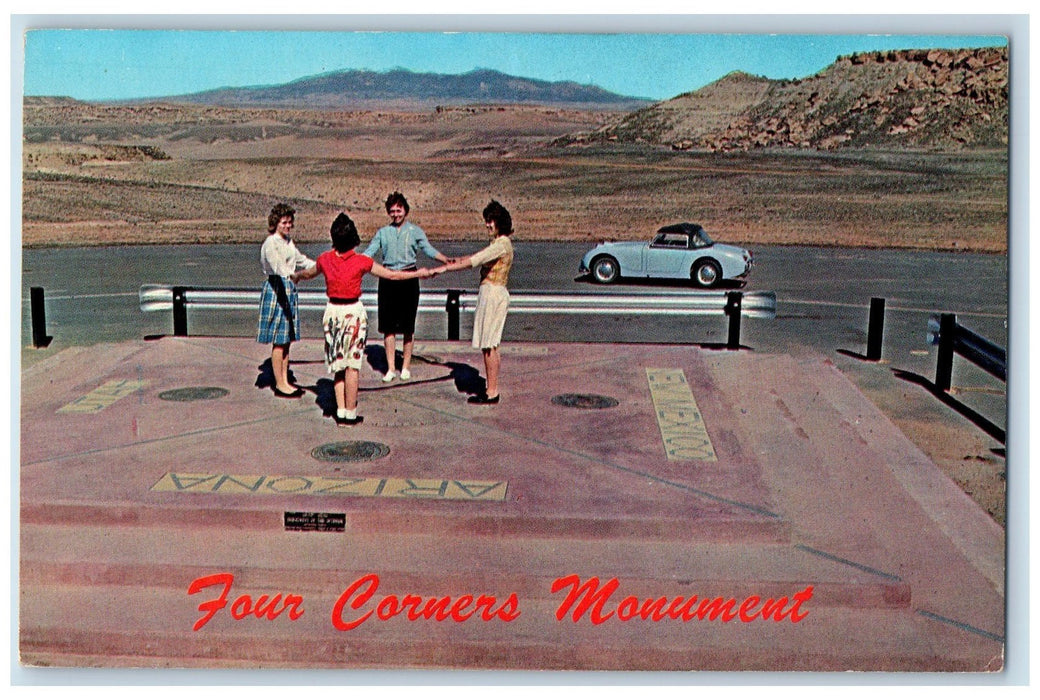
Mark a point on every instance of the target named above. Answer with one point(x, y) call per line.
point(398, 243)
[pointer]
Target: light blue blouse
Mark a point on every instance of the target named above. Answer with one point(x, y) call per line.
point(398, 245)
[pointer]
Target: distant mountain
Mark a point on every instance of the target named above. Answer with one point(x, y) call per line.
point(927, 99)
point(357, 89)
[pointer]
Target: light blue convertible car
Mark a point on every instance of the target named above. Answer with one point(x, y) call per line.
point(678, 251)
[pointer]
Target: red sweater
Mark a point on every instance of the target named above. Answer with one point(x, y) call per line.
point(343, 273)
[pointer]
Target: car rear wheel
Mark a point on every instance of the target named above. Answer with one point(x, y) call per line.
point(706, 273)
point(605, 269)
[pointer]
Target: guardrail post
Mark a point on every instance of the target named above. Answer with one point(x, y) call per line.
point(38, 316)
point(180, 312)
point(452, 307)
point(947, 340)
point(733, 304)
point(875, 328)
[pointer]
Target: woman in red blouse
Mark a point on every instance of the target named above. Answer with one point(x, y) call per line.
point(346, 321)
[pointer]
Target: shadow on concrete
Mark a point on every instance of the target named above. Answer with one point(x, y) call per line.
point(984, 424)
point(855, 355)
point(377, 360)
point(265, 378)
point(467, 378)
point(325, 396)
point(720, 346)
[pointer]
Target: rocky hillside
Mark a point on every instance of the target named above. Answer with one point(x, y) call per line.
point(919, 99)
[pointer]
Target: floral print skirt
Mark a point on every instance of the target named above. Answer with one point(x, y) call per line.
point(346, 329)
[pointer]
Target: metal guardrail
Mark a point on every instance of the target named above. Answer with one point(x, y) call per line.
point(453, 302)
point(954, 338)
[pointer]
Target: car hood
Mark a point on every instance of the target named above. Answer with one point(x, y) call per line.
point(731, 249)
point(620, 245)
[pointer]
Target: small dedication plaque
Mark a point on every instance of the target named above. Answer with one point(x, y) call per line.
point(316, 522)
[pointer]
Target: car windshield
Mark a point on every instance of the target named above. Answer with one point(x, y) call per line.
point(701, 239)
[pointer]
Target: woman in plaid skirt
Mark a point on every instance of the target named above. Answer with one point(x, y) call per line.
point(279, 323)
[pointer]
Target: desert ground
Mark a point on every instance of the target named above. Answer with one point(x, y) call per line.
point(167, 174)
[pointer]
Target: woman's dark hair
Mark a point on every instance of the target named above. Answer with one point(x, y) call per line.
point(500, 215)
point(396, 198)
point(344, 234)
point(278, 212)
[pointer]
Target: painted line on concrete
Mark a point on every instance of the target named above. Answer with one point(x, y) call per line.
point(962, 625)
point(758, 510)
point(168, 438)
point(104, 396)
point(679, 419)
point(369, 486)
point(847, 562)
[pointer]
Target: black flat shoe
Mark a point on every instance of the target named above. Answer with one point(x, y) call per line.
point(348, 421)
point(483, 399)
point(297, 393)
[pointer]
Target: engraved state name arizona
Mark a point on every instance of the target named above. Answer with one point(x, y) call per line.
point(598, 602)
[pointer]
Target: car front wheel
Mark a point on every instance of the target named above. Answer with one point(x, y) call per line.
point(605, 269)
point(706, 273)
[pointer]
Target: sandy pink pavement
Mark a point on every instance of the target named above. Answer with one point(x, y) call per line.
point(810, 486)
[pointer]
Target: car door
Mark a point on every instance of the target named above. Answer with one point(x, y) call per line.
point(666, 255)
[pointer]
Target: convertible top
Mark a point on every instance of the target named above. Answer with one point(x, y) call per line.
point(686, 228)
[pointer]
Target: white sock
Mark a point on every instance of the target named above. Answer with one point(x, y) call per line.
point(344, 413)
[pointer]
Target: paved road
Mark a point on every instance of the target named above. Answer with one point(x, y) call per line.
point(823, 296)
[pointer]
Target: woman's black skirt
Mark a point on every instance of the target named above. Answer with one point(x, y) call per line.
point(398, 304)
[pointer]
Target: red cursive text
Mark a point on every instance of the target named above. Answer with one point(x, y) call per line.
point(591, 598)
point(360, 593)
point(244, 605)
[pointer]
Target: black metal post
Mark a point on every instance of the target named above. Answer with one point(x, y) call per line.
point(875, 328)
point(38, 316)
point(734, 300)
point(180, 312)
point(947, 340)
point(452, 307)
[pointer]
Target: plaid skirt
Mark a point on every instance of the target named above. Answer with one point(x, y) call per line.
point(279, 323)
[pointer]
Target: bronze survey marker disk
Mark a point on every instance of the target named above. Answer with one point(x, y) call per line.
point(352, 451)
point(584, 401)
point(194, 393)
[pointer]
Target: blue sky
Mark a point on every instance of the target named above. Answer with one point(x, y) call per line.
point(103, 64)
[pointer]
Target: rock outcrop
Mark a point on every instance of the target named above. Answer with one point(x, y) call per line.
point(920, 99)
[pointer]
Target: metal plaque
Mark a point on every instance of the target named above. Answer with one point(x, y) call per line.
point(315, 522)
